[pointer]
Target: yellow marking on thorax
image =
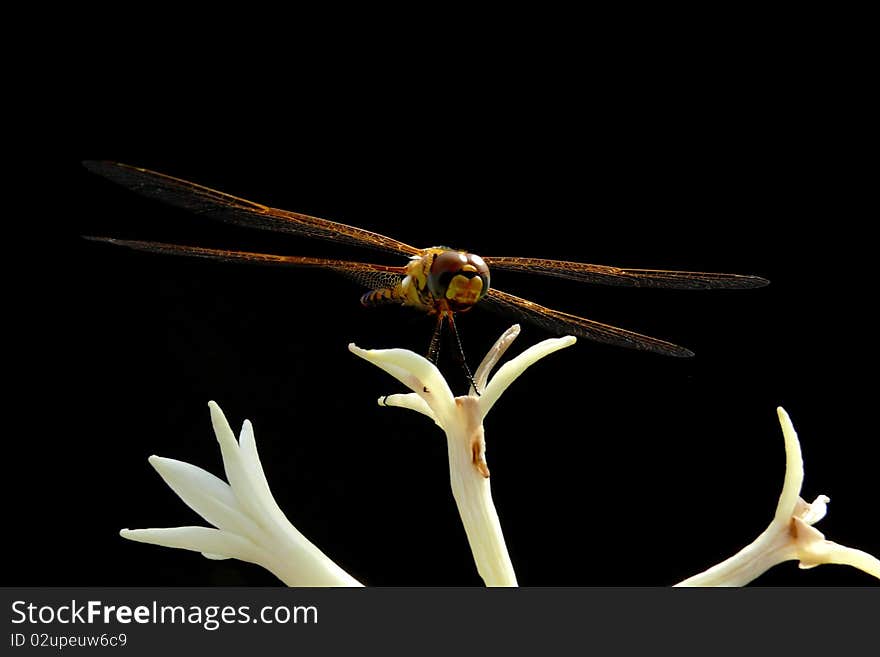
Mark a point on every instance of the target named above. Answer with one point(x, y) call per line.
point(414, 287)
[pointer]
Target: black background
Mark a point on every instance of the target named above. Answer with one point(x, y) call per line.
point(735, 152)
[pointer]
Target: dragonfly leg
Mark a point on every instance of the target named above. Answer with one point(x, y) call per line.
point(467, 370)
point(434, 348)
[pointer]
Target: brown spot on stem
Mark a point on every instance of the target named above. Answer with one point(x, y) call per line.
point(477, 458)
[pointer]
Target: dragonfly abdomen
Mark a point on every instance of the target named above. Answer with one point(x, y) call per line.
point(383, 297)
point(408, 292)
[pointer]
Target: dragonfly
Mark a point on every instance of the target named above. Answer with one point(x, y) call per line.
point(439, 280)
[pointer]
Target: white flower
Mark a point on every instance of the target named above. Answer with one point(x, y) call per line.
point(249, 524)
point(790, 536)
point(461, 418)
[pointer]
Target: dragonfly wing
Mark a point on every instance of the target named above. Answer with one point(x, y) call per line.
point(239, 211)
point(368, 275)
point(565, 324)
point(580, 271)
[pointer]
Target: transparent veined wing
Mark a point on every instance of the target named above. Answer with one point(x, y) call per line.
point(562, 323)
point(369, 275)
point(239, 211)
point(603, 275)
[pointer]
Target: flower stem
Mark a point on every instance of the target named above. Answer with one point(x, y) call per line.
point(469, 479)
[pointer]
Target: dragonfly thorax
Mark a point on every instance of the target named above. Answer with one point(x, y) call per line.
point(457, 277)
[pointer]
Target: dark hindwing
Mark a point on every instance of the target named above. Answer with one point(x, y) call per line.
point(565, 324)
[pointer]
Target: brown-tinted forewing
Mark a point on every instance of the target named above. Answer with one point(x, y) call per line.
point(239, 211)
point(565, 324)
point(368, 275)
point(580, 271)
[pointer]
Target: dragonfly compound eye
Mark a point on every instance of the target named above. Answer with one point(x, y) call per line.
point(460, 278)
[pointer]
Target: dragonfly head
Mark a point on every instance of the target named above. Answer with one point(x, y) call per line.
point(460, 278)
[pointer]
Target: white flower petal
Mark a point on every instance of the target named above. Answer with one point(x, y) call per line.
point(198, 539)
point(209, 483)
point(268, 515)
point(416, 372)
point(481, 377)
point(205, 494)
point(817, 510)
point(250, 460)
point(510, 371)
point(411, 401)
point(794, 470)
point(247, 489)
point(847, 556)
